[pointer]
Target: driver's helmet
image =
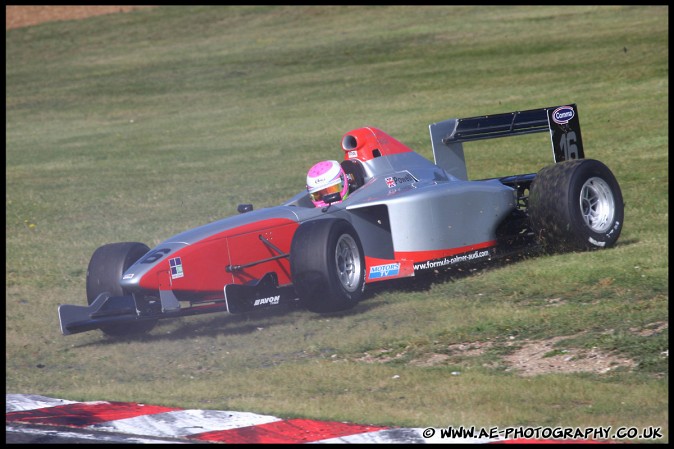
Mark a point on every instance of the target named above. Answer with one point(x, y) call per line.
point(325, 178)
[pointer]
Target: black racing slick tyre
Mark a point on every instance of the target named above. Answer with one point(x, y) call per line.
point(327, 265)
point(104, 272)
point(576, 205)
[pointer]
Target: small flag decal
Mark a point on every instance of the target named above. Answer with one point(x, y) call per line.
point(176, 268)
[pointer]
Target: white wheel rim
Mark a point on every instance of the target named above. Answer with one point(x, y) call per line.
point(597, 205)
point(347, 260)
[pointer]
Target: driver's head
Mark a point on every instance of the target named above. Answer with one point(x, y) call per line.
point(325, 178)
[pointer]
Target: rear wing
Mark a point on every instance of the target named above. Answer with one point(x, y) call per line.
point(562, 122)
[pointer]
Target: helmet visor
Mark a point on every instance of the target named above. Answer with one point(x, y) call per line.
point(320, 194)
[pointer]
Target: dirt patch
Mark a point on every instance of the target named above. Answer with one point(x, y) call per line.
point(432, 359)
point(531, 358)
point(380, 356)
point(651, 329)
point(17, 16)
point(543, 357)
point(470, 349)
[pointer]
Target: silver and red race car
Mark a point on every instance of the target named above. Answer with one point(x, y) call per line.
point(403, 215)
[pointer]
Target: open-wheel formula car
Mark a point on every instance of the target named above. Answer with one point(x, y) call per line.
point(403, 215)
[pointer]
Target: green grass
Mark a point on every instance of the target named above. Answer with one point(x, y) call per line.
point(137, 126)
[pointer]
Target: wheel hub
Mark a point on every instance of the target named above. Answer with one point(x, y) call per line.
point(348, 262)
point(597, 205)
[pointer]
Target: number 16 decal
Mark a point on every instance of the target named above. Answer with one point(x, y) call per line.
point(568, 145)
point(565, 133)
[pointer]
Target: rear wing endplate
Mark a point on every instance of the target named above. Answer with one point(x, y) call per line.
point(562, 122)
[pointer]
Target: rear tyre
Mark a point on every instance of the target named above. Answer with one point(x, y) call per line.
point(106, 267)
point(576, 205)
point(327, 265)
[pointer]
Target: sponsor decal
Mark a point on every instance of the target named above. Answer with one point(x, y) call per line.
point(596, 242)
point(353, 154)
point(616, 226)
point(383, 271)
point(392, 181)
point(562, 115)
point(451, 260)
point(128, 276)
point(176, 268)
point(270, 300)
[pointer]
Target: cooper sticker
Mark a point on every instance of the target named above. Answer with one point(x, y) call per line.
point(384, 271)
point(176, 268)
point(562, 115)
point(353, 154)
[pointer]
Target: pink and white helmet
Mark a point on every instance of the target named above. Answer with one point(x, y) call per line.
point(325, 178)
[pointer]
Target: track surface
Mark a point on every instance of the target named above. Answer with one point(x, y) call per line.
point(39, 419)
point(33, 418)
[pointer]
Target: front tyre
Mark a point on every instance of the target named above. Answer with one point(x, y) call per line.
point(327, 265)
point(105, 270)
point(576, 205)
